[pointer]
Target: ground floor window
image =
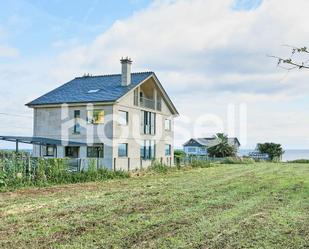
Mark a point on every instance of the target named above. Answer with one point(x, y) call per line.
point(168, 149)
point(148, 149)
point(72, 152)
point(203, 150)
point(50, 150)
point(122, 150)
point(191, 149)
point(95, 151)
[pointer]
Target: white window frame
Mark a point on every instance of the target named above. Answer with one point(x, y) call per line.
point(120, 118)
point(127, 150)
point(167, 124)
point(90, 119)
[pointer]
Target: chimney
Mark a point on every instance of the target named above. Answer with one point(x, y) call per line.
point(125, 71)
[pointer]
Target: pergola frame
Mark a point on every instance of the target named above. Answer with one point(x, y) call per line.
point(42, 141)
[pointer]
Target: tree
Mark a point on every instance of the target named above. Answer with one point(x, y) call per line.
point(179, 155)
point(221, 147)
point(274, 151)
point(291, 61)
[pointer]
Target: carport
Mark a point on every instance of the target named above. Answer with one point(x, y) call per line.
point(41, 141)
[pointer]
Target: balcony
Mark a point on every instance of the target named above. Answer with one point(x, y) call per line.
point(150, 103)
point(147, 103)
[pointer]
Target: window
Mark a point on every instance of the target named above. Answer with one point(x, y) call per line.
point(93, 90)
point(168, 149)
point(76, 122)
point(191, 149)
point(148, 150)
point(168, 125)
point(159, 105)
point(123, 117)
point(49, 150)
point(136, 97)
point(148, 122)
point(122, 150)
point(72, 152)
point(95, 117)
point(96, 151)
point(203, 150)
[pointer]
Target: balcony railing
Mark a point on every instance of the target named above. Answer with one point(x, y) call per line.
point(147, 103)
point(150, 103)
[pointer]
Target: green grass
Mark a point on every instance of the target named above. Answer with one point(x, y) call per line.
point(263, 205)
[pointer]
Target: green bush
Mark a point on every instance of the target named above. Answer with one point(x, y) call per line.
point(237, 160)
point(179, 155)
point(159, 167)
point(10, 153)
point(299, 161)
point(2, 179)
point(17, 171)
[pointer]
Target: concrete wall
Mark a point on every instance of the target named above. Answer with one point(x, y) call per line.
point(131, 134)
point(53, 123)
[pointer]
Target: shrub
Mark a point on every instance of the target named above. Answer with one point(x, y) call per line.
point(237, 160)
point(221, 147)
point(2, 179)
point(17, 171)
point(274, 151)
point(179, 156)
point(159, 167)
point(299, 161)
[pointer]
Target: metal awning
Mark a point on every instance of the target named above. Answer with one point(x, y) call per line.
point(40, 141)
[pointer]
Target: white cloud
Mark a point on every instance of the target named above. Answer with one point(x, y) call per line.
point(207, 55)
point(8, 52)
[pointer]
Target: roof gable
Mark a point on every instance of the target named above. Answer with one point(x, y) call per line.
point(193, 142)
point(209, 141)
point(105, 88)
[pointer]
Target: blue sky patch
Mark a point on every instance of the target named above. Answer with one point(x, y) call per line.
point(246, 4)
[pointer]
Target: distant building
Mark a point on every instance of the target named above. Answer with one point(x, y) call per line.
point(199, 146)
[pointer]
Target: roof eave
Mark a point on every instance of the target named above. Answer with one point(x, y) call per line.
point(70, 104)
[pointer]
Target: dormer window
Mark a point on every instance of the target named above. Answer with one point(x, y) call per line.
point(93, 90)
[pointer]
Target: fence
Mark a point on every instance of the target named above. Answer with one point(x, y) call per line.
point(27, 171)
point(128, 163)
point(187, 160)
point(83, 164)
point(19, 169)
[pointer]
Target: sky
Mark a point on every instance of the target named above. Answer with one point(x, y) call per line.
point(210, 55)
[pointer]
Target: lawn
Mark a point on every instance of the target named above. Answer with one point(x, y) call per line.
point(263, 205)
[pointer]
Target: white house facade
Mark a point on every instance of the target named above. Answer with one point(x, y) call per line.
point(126, 120)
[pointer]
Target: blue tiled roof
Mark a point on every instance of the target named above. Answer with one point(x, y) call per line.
point(77, 90)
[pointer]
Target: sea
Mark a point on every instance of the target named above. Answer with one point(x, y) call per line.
point(288, 155)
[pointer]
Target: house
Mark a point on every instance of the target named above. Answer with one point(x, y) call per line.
point(198, 146)
point(125, 120)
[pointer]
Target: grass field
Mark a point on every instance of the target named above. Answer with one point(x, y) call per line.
point(229, 206)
